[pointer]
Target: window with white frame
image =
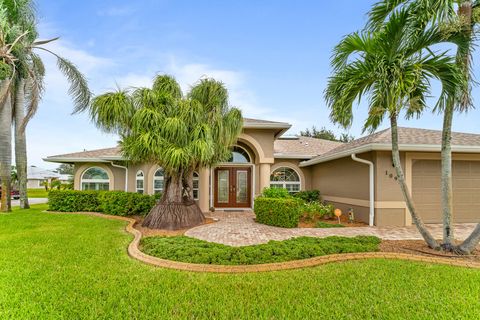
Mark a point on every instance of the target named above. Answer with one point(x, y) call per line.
point(286, 178)
point(195, 187)
point(95, 178)
point(140, 182)
point(158, 181)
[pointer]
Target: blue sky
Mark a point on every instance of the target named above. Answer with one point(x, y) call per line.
point(272, 55)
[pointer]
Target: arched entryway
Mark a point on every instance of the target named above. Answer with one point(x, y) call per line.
point(233, 181)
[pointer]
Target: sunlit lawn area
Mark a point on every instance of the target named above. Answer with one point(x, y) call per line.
point(72, 267)
point(37, 193)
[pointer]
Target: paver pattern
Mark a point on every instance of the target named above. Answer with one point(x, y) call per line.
point(240, 229)
point(134, 252)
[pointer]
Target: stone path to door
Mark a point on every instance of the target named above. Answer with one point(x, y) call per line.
point(240, 229)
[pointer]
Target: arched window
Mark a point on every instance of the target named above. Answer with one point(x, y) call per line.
point(286, 178)
point(158, 181)
point(239, 155)
point(140, 182)
point(95, 178)
point(195, 187)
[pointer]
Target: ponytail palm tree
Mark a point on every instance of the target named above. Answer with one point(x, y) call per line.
point(393, 66)
point(180, 134)
point(460, 19)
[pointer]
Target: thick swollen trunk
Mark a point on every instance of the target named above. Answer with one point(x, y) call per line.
point(5, 148)
point(21, 144)
point(432, 243)
point(470, 243)
point(174, 211)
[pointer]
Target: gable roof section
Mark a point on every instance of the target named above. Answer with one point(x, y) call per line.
point(281, 127)
point(409, 139)
point(302, 147)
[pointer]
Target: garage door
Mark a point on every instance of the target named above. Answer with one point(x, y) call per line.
point(466, 190)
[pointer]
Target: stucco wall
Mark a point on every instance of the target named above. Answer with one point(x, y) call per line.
point(387, 188)
point(264, 138)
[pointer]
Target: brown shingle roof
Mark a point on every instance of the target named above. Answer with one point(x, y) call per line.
point(94, 154)
point(406, 137)
point(305, 146)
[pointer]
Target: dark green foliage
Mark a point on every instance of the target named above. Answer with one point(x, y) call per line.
point(185, 249)
point(316, 210)
point(280, 212)
point(308, 195)
point(275, 193)
point(73, 201)
point(118, 203)
point(321, 224)
point(122, 203)
point(5, 71)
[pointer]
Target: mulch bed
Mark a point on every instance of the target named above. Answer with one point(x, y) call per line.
point(147, 232)
point(420, 248)
point(343, 220)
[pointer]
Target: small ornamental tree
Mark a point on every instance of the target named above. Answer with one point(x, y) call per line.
point(179, 133)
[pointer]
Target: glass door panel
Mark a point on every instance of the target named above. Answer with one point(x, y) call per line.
point(242, 186)
point(223, 185)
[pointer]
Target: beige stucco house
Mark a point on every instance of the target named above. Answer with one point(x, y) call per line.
point(357, 175)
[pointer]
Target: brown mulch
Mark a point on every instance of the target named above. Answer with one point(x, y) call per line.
point(147, 232)
point(420, 248)
point(343, 220)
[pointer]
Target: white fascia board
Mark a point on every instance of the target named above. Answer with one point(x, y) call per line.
point(388, 147)
point(280, 125)
point(68, 160)
point(293, 156)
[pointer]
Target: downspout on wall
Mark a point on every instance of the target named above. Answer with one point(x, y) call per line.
point(126, 173)
point(371, 219)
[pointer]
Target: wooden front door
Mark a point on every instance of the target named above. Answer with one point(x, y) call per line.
point(233, 187)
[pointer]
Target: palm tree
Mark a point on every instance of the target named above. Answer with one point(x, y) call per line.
point(26, 85)
point(457, 19)
point(394, 66)
point(180, 134)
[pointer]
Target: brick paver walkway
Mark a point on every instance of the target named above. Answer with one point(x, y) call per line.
point(239, 229)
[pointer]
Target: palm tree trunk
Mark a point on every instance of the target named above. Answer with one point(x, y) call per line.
point(174, 211)
point(446, 179)
point(432, 243)
point(470, 243)
point(5, 148)
point(21, 144)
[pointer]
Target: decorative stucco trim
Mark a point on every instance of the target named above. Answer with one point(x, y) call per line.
point(78, 175)
point(366, 203)
point(294, 168)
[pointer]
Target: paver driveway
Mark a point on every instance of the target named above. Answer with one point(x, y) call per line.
point(239, 229)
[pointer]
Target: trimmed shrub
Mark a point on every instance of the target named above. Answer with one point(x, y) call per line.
point(275, 193)
point(279, 212)
point(316, 210)
point(73, 201)
point(308, 195)
point(118, 203)
point(123, 203)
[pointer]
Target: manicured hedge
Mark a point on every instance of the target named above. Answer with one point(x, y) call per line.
point(309, 195)
point(118, 203)
point(280, 212)
point(185, 249)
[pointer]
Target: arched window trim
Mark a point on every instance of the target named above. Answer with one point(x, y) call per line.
point(140, 177)
point(94, 181)
point(158, 178)
point(196, 186)
point(291, 186)
point(246, 151)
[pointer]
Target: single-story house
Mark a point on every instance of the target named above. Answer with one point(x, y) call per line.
point(357, 175)
point(36, 177)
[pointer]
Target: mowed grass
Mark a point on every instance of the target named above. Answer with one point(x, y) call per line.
point(37, 193)
point(55, 266)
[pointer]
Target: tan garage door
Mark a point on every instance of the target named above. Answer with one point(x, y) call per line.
point(466, 190)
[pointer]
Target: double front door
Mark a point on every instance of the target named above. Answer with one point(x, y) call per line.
point(232, 187)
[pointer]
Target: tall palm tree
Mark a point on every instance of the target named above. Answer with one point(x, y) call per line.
point(180, 134)
point(457, 19)
point(393, 66)
point(26, 85)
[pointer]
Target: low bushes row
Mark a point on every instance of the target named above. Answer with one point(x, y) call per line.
point(118, 203)
point(185, 249)
point(276, 207)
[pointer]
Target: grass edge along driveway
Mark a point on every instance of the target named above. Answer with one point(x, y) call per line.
point(67, 266)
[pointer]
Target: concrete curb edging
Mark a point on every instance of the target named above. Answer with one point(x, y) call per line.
point(134, 252)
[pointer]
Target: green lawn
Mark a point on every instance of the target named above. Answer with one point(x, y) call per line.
point(186, 249)
point(55, 266)
point(37, 193)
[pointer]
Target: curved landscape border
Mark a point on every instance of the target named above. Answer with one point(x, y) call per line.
point(134, 252)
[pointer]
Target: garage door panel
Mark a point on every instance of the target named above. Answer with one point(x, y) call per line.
point(426, 186)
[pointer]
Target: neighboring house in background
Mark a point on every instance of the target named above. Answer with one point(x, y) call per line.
point(37, 176)
point(357, 175)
